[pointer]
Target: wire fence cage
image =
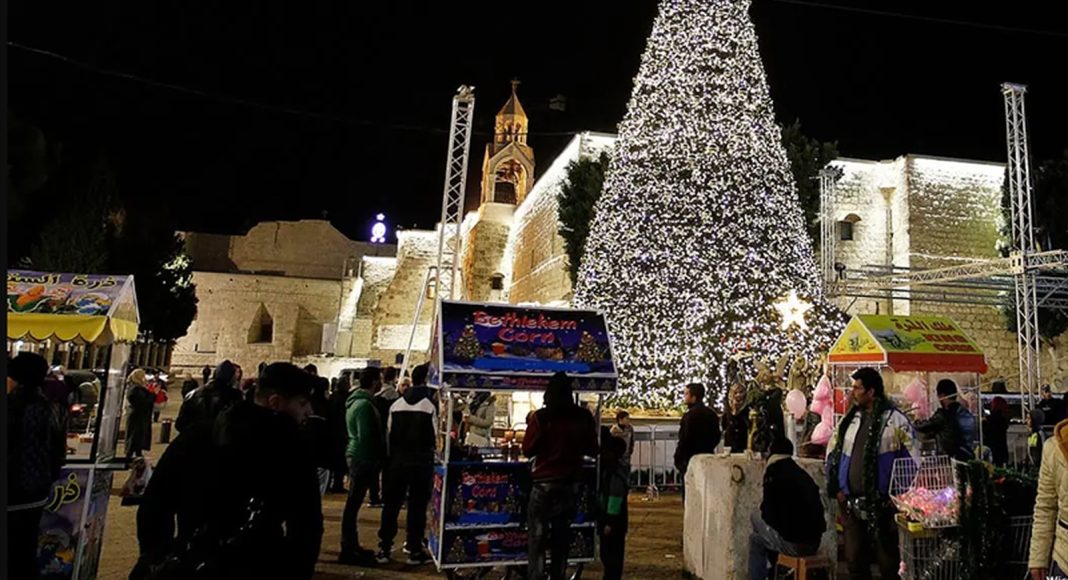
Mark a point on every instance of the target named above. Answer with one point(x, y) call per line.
point(929, 554)
point(926, 490)
point(1019, 546)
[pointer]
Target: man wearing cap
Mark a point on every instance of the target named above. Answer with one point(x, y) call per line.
point(952, 426)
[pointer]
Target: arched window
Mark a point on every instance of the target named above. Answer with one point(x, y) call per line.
point(845, 227)
point(497, 282)
point(262, 329)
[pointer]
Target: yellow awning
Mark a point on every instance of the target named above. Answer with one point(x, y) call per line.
point(84, 308)
point(69, 328)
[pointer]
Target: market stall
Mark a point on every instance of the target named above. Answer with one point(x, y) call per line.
point(46, 310)
point(913, 353)
point(479, 500)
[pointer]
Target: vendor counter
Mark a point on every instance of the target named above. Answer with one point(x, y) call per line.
point(479, 514)
point(721, 494)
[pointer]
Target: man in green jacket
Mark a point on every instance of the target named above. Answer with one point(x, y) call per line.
point(364, 455)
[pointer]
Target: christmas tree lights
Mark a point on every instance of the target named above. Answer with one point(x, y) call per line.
point(699, 233)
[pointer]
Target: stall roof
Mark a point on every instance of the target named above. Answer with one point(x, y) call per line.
point(908, 343)
point(87, 308)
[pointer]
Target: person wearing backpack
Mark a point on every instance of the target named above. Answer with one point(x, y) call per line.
point(36, 451)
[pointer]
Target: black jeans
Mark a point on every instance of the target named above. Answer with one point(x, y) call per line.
point(552, 505)
point(612, 551)
point(360, 475)
point(376, 488)
point(398, 480)
point(23, 527)
point(860, 547)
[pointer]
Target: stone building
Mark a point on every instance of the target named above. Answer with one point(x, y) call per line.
point(302, 291)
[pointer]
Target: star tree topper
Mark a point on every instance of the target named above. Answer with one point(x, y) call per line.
point(793, 311)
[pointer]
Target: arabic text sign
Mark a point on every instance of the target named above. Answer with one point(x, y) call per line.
point(53, 293)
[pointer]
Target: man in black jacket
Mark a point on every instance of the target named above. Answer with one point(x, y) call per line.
point(207, 402)
point(209, 481)
point(698, 430)
point(790, 520)
point(952, 426)
point(411, 442)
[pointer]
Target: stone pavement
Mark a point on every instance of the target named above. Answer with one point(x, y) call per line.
point(654, 545)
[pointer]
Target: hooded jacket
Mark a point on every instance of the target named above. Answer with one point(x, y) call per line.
point(205, 404)
point(384, 399)
point(953, 429)
point(364, 427)
point(897, 441)
point(1049, 531)
point(792, 504)
point(412, 428)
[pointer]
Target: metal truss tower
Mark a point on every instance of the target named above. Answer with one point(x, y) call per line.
point(828, 180)
point(1019, 172)
point(444, 279)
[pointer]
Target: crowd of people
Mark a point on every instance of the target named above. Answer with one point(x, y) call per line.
point(238, 493)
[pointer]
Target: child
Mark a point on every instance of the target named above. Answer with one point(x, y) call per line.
point(615, 478)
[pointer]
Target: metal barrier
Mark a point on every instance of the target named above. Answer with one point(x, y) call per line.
point(653, 460)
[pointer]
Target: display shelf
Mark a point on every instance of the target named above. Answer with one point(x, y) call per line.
point(510, 525)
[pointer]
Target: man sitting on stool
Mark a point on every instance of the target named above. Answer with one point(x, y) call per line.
point(790, 520)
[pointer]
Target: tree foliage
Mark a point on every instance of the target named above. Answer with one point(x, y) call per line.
point(807, 157)
point(72, 217)
point(1049, 197)
point(578, 196)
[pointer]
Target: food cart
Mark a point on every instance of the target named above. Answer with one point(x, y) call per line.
point(45, 309)
point(913, 353)
point(479, 498)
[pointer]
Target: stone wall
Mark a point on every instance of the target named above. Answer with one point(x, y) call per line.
point(229, 303)
point(391, 322)
point(536, 264)
point(956, 209)
point(485, 237)
point(302, 249)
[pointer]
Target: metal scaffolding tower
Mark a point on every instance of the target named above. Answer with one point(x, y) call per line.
point(1035, 279)
point(828, 181)
point(1019, 170)
point(444, 279)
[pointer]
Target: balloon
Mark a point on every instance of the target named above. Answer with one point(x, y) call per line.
point(818, 406)
point(796, 403)
point(823, 390)
point(821, 434)
point(916, 395)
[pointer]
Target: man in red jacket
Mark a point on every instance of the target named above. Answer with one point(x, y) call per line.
point(559, 437)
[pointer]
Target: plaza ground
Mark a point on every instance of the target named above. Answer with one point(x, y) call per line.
point(654, 544)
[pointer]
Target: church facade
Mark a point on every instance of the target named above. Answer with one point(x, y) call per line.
point(340, 303)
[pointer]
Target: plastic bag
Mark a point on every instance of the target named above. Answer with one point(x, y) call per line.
point(137, 480)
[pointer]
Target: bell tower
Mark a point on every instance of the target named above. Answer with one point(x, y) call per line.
point(508, 165)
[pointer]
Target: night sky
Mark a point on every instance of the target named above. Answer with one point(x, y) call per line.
point(287, 110)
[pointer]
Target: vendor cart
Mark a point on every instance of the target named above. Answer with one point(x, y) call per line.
point(913, 353)
point(479, 499)
point(98, 314)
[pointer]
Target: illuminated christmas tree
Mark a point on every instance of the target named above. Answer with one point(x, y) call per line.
point(467, 346)
point(699, 234)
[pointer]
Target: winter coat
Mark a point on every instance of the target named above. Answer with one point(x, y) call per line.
point(317, 432)
point(480, 422)
point(364, 428)
point(36, 449)
point(615, 485)
point(140, 403)
point(205, 405)
point(412, 427)
point(953, 428)
point(207, 478)
point(558, 440)
point(995, 436)
point(736, 430)
point(698, 433)
point(1049, 530)
point(792, 504)
point(384, 399)
point(626, 433)
point(897, 441)
point(339, 428)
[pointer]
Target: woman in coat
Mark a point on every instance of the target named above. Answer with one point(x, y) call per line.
point(481, 413)
point(140, 402)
